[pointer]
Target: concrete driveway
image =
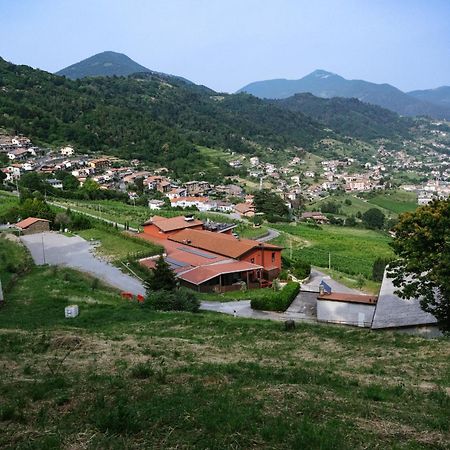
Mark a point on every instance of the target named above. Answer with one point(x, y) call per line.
point(317, 276)
point(75, 252)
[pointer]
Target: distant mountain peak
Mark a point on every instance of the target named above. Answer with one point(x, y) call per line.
point(322, 74)
point(107, 63)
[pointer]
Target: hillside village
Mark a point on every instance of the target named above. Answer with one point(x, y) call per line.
point(296, 182)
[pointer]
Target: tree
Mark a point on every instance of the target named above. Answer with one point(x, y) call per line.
point(163, 278)
point(422, 243)
point(378, 268)
point(373, 218)
point(271, 204)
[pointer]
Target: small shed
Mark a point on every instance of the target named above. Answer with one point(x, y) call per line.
point(345, 308)
point(32, 225)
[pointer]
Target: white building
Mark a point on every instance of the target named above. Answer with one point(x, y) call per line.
point(254, 160)
point(155, 204)
point(67, 151)
point(201, 203)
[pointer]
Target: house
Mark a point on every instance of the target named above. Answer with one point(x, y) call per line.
point(201, 203)
point(18, 154)
point(155, 204)
point(224, 206)
point(204, 271)
point(33, 225)
point(100, 163)
point(197, 187)
point(176, 193)
point(245, 209)
point(55, 183)
point(318, 217)
point(266, 255)
point(162, 228)
point(67, 151)
point(395, 313)
point(345, 308)
point(254, 160)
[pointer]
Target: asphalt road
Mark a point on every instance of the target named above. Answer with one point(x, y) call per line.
point(75, 252)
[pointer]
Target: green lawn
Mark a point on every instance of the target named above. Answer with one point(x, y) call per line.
point(116, 246)
point(122, 376)
point(353, 250)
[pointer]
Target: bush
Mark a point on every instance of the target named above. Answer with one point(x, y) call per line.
point(277, 300)
point(378, 268)
point(301, 269)
point(177, 300)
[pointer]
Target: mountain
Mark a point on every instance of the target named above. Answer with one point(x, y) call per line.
point(326, 84)
point(105, 64)
point(349, 116)
point(145, 115)
point(439, 96)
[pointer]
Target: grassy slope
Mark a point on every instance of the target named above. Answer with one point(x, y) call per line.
point(353, 250)
point(120, 376)
point(391, 203)
point(7, 200)
point(115, 246)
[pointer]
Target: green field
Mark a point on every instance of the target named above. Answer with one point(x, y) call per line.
point(115, 246)
point(396, 201)
point(391, 203)
point(353, 250)
point(7, 200)
point(123, 376)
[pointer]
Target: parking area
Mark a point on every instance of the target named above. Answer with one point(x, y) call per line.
point(75, 252)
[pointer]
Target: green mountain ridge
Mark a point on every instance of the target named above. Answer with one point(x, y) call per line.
point(349, 116)
point(439, 96)
point(327, 85)
point(146, 116)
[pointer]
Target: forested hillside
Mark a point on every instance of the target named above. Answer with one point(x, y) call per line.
point(148, 116)
point(349, 116)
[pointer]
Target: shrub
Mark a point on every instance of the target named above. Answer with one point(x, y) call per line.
point(277, 300)
point(176, 300)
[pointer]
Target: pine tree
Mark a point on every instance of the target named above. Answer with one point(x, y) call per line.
point(163, 278)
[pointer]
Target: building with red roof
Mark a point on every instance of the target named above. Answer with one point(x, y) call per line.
point(32, 225)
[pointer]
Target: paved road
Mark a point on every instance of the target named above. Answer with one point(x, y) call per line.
point(317, 276)
point(272, 234)
point(75, 252)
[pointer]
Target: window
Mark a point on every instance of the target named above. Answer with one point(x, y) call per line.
point(252, 260)
point(273, 256)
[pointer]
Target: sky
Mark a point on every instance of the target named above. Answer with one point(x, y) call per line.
point(226, 44)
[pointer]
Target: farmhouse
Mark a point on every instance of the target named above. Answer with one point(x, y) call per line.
point(266, 255)
point(33, 225)
point(161, 227)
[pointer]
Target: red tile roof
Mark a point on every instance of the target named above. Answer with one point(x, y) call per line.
point(200, 275)
point(222, 244)
point(350, 298)
point(29, 221)
point(172, 224)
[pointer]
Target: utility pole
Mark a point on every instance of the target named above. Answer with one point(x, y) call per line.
point(329, 260)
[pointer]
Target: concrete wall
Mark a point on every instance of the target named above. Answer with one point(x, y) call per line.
point(356, 314)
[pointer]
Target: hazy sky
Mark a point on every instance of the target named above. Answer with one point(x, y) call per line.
point(226, 44)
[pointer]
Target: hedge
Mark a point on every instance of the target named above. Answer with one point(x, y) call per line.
point(277, 300)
